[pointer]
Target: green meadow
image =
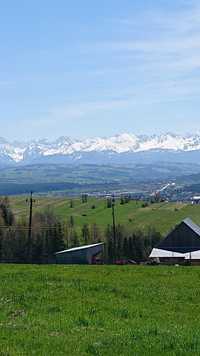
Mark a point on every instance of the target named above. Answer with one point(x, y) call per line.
point(162, 216)
point(99, 310)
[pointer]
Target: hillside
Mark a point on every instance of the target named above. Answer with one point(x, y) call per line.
point(162, 216)
point(99, 310)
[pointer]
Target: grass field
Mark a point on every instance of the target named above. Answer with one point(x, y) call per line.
point(99, 310)
point(162, 216)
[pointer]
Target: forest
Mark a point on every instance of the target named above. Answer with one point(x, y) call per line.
point(50, 234)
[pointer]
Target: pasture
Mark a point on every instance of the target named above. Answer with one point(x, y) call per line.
point(162, 216)
point(99, 310)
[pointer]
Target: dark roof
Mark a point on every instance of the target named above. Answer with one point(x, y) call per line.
point(192, 226)
point(184, 238)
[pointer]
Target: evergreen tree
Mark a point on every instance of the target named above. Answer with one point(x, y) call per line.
point(85, 233)
point(19, 245)
point(130, 247)
point(125, 248)
point(66, 236)
point(6, 212)
point(71, 203)
point(95, 233)
point(119, 239)
point(127, 198)
point(71, 221)
point(58, 238)
point(38, 247)
point(109, 203)
point(84, 198)
point(138, 245)
point(122, 200)
point(109, 244)
point(74, 240)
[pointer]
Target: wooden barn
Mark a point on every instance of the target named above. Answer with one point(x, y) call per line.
point(181, 246)
point(88, 254)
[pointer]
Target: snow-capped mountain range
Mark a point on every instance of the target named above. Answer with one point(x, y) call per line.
point(99, 150)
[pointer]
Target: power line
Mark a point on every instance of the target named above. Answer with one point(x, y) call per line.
point(12, 227)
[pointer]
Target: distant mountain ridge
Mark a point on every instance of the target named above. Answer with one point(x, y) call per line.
point(123, 148)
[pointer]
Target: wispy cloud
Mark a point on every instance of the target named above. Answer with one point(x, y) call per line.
point(160, 66)
point(156, 60)
point(78, 110)
point(165, 56)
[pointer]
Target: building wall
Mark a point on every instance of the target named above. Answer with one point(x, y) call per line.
point(178, 261)
point(82, 256)
point(74, 257)
point(172, 260)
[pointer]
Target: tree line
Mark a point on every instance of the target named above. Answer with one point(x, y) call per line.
point(49, 234)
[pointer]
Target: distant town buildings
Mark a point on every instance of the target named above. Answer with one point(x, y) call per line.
point(196, 200)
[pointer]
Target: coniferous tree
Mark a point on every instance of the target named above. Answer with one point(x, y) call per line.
point(58, 238)
point(74, 240)
point(49, 235)
point(122, 200)
point(60, 235)
point(20, 244)
point(125, 247)
point(130, 247)
point(109, 244)
point(119, 241)
point(127, 198)
point(84, 198)
point(38, 248)
point(85, 233)
point(71, 221)
point(109, 203)
point(95, 233)
point(71, 203)
point(6, 212)
point(138, 245)
point(66, 234)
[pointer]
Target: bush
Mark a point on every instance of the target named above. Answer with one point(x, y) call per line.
point(145, 205)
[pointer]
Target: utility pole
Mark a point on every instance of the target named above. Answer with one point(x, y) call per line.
point(114, 226)
point(30, 226)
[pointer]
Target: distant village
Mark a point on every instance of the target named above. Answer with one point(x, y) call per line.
point(168, 192)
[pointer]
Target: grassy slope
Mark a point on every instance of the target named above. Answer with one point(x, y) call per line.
point(162, 216)
point(99, 310)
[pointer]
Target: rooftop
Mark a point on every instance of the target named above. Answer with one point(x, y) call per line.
point(192, 226)
point(80, 248)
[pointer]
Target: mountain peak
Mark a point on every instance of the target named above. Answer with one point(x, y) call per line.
point(117, 144)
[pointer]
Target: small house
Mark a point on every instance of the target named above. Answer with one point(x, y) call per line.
point(196, 200)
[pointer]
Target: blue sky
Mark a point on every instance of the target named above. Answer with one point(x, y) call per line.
point(88, 68)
